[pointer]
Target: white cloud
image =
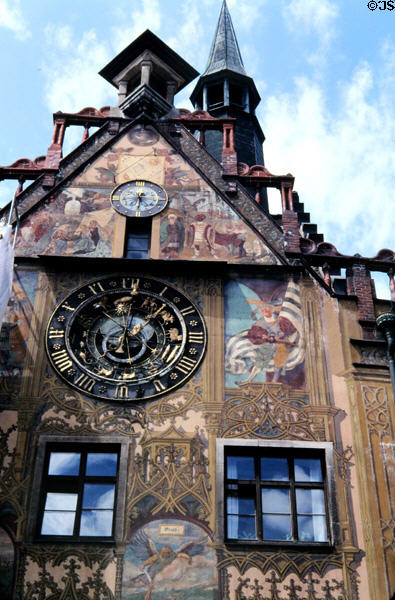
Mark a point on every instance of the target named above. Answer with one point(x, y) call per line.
point(148, 16)
point(71, 70)
point(62, 37)
point(344, 162)
point(7, 191)
point(312, 17)
point(190, 35)
point(11, 17)
point(245, 13)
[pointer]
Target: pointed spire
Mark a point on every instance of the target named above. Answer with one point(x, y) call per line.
point(225, 52)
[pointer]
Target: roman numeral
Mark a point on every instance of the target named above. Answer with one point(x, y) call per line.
point(150, 368)
point(166, 351)
point(185, 365)
point(128, 282)
point(140, 183)
point(172, 353)
point(158, 385)
point(61, 360)
point(85, 382)
point(122, 392)
point(196, 338)
point(187, 311)
point(55, 333)
point(93, 286)
point(67, 307)
point(163, 291)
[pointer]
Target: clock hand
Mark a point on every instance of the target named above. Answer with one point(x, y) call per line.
point(111, 319)
point(142, 341)
point(121, 339)
point(137, 328)
point(128, 349)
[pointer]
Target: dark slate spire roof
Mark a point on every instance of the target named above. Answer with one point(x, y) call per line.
point(225, 52)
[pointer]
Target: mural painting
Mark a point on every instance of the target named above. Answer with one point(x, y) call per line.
point(6, 565)
point(263, 332)
point(77, 222)
point(198, 224)
point(16, 323)
point(169, 560)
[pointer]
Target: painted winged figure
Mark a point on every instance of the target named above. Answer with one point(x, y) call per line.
point(156, 559)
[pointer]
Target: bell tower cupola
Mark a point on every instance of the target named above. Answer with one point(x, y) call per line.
point(147, 75)
point(225, 90)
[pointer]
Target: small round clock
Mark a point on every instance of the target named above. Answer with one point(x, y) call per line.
point(139, 198)
point(126, 338)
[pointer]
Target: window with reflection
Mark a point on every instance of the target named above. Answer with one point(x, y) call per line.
point(138, 237)
point(79, 492)
point(275, 495)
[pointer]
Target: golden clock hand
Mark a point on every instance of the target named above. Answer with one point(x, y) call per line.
point(111, 319)
point(142, 341)
point(121, 339)
point(137, 328)
point(128, 349)
point(156, 313)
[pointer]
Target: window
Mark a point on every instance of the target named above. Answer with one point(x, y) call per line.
point(276, 493)
point(216, 95)
point(82, 490)
point(236, 94)
point(138, 238)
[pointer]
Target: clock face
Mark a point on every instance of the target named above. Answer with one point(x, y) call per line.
point(126, 338)
point(139, 198)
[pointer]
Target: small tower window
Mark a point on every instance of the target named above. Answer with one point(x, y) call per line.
point(133, 84)
point(215, 95)
point(236, 95)
point(158, 85)
point(138, 236)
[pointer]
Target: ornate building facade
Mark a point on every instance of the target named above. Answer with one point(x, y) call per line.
point(195, 404)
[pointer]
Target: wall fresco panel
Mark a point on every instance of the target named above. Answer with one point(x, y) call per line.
point(169, 558)
point(263, 332)
point(198, 224)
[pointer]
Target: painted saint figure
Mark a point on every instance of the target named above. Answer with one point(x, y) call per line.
point(172, 235)
point(201, 236)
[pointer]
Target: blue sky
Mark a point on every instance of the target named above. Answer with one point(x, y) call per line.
point(325, 70)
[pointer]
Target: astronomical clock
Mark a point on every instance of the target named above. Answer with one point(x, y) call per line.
point(126, 338)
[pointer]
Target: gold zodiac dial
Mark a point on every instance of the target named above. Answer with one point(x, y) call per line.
point(126, 338)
